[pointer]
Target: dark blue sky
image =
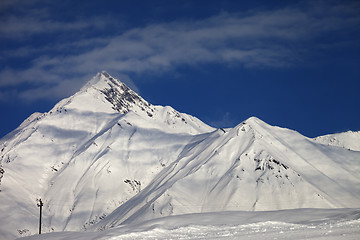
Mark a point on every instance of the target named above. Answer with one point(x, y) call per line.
point(294, 64)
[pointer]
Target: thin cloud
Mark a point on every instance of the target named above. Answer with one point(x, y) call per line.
point(25, 21)
point(17, 27)
point(255, 40)
point(225, 120)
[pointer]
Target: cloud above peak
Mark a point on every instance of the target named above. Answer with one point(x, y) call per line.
point(255, 39)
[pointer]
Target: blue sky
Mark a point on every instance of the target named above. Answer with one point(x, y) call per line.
point(294, 64)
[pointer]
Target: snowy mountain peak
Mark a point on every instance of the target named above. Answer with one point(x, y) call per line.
point(105, 94)
point(253, 124)
point(349, 140)
point(122, 97)
point(101, 80)
point(252, 121)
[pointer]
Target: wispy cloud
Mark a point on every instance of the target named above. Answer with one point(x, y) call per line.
point(265, 39)
point(20, 26)
point(225, 121)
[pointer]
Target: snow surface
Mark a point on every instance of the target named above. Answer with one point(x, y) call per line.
point(285, 224)
point(105, 158)
point(348, 140)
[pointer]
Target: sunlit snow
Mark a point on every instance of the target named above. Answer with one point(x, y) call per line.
point(108, 164)
point(285, 224)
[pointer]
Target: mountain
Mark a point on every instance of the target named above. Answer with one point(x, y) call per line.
point(252, 167)
point(105, 157)
point(349, 140)
point(86, 156)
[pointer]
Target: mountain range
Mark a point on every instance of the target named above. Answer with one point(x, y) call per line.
point(105, 157)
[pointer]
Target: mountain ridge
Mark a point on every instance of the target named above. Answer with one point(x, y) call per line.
point(349, 140)
point(105, 157)
point(269, 170)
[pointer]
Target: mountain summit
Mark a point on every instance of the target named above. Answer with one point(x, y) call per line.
point(121, 97)
point(105, 157)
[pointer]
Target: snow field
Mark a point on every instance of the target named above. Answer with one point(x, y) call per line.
point(285, 224)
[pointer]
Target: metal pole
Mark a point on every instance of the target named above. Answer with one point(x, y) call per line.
point(40, 204)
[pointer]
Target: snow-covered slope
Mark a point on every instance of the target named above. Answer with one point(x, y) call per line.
point(348, 140)
point(105, 157)
point(89, 154)
point(253, 166)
